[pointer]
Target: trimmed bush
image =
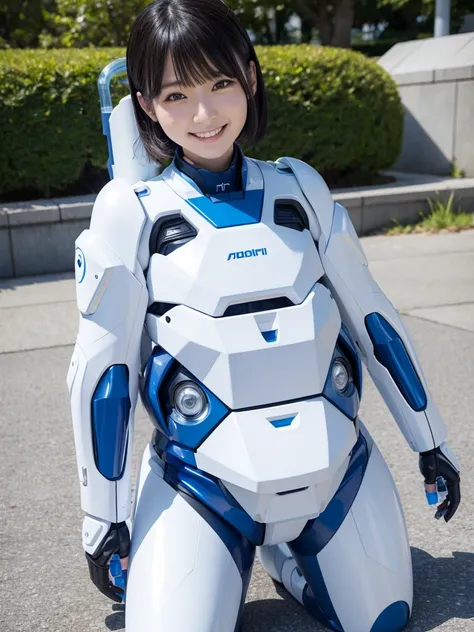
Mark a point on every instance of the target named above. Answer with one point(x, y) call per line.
point(335, 109)
point(50, 117)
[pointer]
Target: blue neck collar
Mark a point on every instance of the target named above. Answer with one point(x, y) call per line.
point(213, 182)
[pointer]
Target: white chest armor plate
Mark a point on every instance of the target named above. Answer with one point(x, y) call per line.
point(263, 365)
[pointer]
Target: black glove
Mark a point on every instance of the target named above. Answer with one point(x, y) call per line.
point(434, 464)
point(117, 541)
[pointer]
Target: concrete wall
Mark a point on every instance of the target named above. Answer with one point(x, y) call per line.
point(38, 237)
point(435, 78)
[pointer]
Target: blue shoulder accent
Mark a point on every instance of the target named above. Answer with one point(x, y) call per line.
point(393, 619)
point(110, 416)
point(232, 212)
point(391, 353)
point(209, 491)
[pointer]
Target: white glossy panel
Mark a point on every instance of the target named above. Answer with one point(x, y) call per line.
point(182, 576)
point(367, 565)
point(232, 358)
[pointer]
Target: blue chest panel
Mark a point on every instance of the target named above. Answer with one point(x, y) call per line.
point(236, 211)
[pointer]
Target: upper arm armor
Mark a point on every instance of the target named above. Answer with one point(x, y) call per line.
point(103, 378)
point(316, 193)
point(373, 322)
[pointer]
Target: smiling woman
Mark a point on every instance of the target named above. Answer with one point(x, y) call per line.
point(235, 295)
point(204, 119)
point(191, 89)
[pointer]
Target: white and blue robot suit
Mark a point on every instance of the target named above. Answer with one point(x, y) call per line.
point(240, 305)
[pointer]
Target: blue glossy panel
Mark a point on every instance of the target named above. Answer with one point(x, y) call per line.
point(106, 132)
point(231, 212)
point(173, 453)
point(320, 606)
point(270, 336)
point(393, 619)
point(110, 412)
point(319, 531)
point(391, 353)
point(281, 423)
point(210, 492)
point(156, 370)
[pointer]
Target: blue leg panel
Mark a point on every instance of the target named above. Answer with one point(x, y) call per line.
point(318, 532)
point(239, 546)
point(321, 607)
point(393, 619)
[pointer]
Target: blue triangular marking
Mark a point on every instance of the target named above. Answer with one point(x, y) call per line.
point(279, 423)
point(270, 336)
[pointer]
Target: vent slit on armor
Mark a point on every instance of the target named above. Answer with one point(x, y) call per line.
point(169, 233)
point(291, 214)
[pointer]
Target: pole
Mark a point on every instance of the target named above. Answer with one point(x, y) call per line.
point(442, 16)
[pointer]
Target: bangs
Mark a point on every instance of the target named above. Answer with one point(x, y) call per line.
point(197, 56)
point(195, 62)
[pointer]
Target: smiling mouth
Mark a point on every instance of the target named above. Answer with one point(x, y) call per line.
point(210, 134)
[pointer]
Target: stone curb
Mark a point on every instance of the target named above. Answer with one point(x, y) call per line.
point(37, 237)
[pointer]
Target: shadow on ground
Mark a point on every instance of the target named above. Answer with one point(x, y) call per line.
point(444, 590)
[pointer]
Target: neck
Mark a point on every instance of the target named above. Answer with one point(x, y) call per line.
point(212, 182)
point(211, 164)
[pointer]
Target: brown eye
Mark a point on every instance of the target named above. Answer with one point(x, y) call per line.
point(225, 83)
point(171, 97)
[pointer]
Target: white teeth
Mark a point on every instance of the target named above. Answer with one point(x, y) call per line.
point(209, 134)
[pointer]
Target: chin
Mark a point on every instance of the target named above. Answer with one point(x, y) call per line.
point(211, 151)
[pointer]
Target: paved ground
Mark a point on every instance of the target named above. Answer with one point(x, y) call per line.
point(44, 583)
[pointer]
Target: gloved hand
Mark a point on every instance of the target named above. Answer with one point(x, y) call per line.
point(442, 481)
point(116, 542)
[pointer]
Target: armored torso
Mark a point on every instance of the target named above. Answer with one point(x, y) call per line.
point(237, 303)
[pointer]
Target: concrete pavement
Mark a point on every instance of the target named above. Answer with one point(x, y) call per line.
point(44, 583)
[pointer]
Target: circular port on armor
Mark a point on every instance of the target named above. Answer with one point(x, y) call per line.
point(190, 401)
point(341, 375)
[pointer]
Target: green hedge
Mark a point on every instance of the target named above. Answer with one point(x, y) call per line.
point(335, 109)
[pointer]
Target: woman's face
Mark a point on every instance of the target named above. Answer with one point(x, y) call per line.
point(205, 119)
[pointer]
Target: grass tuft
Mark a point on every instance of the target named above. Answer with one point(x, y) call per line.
point(441, 217)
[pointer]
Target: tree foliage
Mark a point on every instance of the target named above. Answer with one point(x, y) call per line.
point(91, 22)
point(80, 23)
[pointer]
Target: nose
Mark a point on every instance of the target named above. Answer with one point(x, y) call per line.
point(205, 111)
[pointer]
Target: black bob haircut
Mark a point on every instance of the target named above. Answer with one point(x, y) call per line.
point(202, 36)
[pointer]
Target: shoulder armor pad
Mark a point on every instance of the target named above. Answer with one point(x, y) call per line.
point(94, 265)
point(315, 191)
point(118, 219)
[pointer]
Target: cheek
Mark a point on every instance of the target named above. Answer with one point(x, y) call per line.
point(237, 104)
point(165, 118)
